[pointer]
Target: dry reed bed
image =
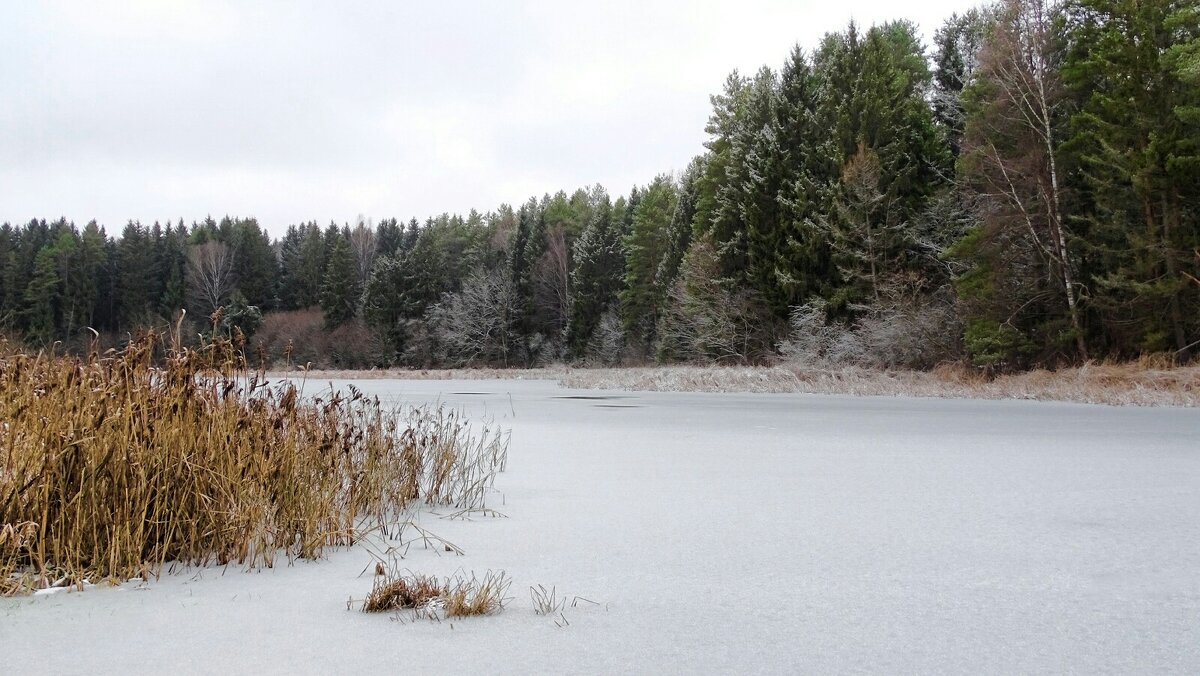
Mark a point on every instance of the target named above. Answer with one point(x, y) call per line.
point(113, 465)
point(1143, 383)
point(1123, 384)
point(471, 373)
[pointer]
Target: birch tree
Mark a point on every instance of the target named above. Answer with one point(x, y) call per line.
point(362, 243)
point(210, 274)
point(1012, 143)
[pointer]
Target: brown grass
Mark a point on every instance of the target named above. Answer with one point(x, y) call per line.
point(437, 598)
point(111, 466)
point(406, 592)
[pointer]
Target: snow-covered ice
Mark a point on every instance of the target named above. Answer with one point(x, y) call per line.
point(725, 533)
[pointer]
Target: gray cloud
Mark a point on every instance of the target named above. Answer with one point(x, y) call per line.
point(292, 111)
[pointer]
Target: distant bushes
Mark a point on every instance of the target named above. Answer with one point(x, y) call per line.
point(300, 338)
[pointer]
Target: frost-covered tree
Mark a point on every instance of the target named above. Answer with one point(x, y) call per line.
point(477, 324)
point(863, 230)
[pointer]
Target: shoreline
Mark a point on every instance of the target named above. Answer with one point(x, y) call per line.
point(1115, 385)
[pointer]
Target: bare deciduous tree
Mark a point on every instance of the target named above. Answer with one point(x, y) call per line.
point(210, 274)
point(362, 243)
point(475, 324)
point(552, 280)
point(707, 320)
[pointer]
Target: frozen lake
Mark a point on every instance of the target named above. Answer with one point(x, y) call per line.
point(726, 533)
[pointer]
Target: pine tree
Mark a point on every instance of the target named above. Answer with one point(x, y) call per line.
point(863, 230)
point(411, 234)
point(750, 196)
point(42, 296)
point(389, 237)
point(174, 266)
point(385, 303)
point(77, 291)
point(679, 232)
point(874, 94)
point(10, 292)
point(799, 266)
point(710, 215)
point(957, 44)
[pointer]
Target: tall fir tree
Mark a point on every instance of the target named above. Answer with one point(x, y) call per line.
point(597, 277)
point(1137, 137)
point(646, 245)
point(340, 289)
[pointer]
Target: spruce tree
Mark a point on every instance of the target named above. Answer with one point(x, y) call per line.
point(1137, 136)
point(136, 277)
point(646, 244)
point(340, 289)
point(596, 278)
point(255, 268)
point(42, 296)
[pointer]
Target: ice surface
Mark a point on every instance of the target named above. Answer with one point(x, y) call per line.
point(730, 533)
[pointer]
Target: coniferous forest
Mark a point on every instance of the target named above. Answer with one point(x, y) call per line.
point(1025, 192)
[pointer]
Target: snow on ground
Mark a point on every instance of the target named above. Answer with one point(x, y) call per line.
point(727, 533)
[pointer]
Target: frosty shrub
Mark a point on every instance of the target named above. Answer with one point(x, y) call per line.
point(475, 325)
point(608, 341)
point(815, 341)
point(918, 333)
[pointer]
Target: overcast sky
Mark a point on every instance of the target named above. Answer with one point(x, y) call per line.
point(293, 111)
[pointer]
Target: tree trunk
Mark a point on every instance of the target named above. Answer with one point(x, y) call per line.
point(1171, 221)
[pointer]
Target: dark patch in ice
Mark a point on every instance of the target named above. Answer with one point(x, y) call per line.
point(619, 406)
point(472, 393)
point(593, 397)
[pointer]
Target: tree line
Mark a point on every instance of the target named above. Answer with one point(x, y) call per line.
point(1026, 193)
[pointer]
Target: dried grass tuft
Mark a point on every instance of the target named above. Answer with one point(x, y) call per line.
point(408, 592)
point(439, 598)
point(468, 597)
